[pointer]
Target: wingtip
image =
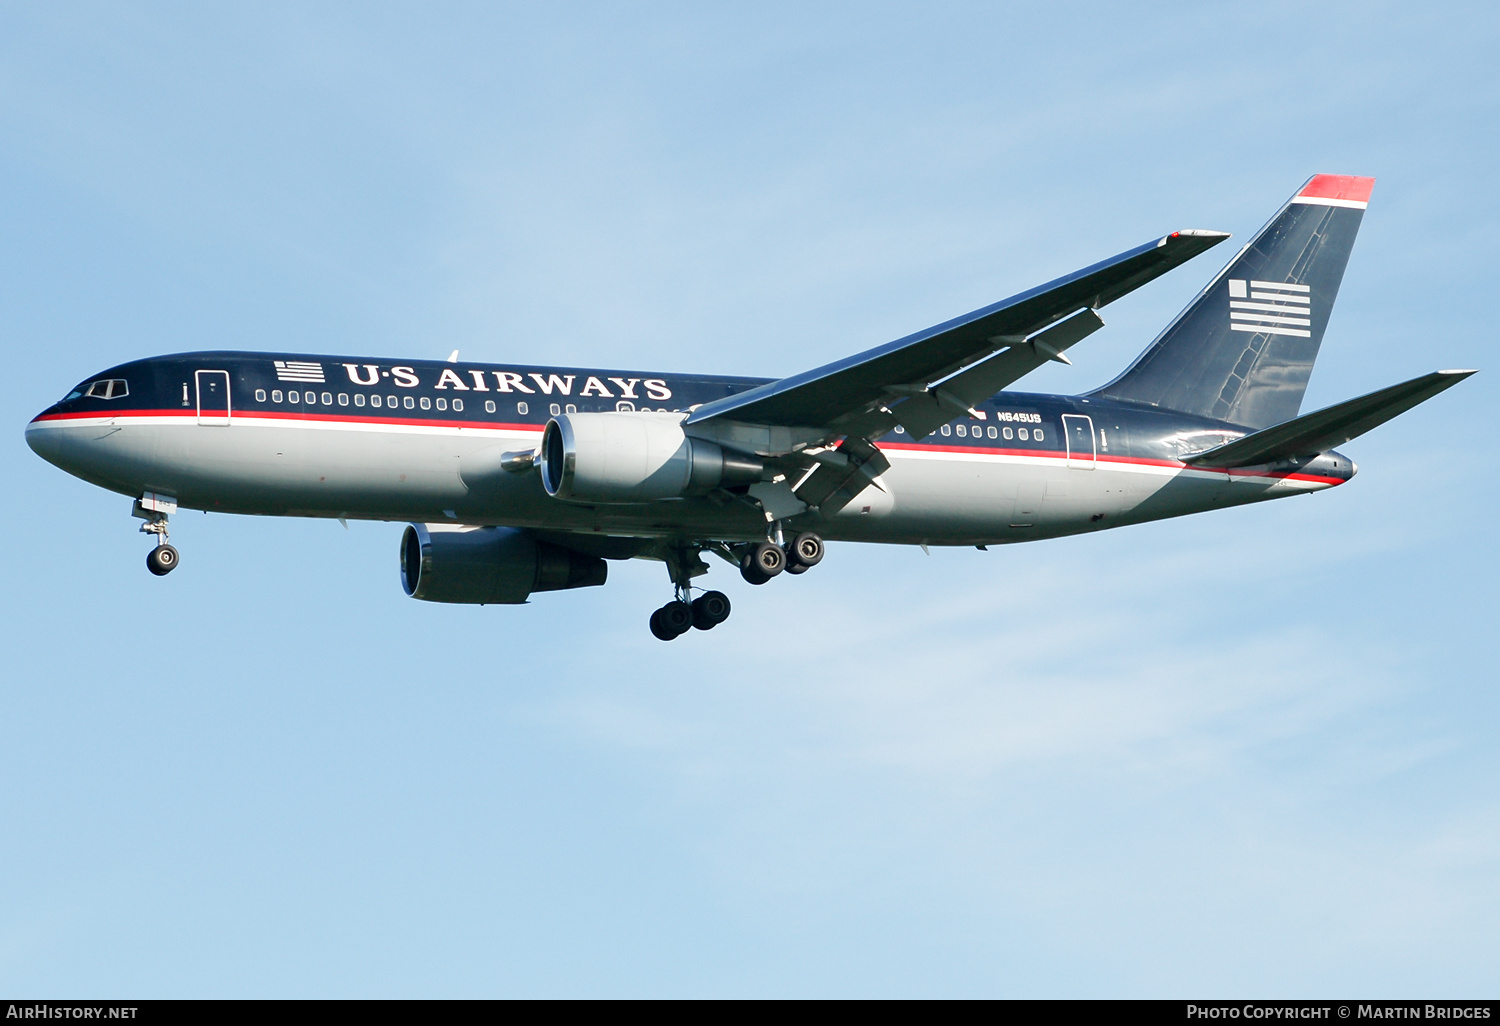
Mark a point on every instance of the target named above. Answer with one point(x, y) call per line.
point(1213, 238)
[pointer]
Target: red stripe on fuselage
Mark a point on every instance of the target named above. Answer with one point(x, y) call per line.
point(332, 418)
point(1142, 461)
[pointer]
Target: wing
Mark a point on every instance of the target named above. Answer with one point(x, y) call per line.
point(926, 379)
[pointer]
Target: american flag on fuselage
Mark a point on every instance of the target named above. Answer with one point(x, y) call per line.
point(299, 370)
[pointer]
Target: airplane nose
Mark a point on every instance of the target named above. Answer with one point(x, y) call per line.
point(46, 442)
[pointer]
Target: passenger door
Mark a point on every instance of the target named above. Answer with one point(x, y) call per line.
point(213, 397)
point(1078, 430)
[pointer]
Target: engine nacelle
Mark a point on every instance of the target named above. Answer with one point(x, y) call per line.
point(634, 457)
point(501, 565)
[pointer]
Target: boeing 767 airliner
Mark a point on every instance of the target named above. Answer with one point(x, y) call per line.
point(520, 479)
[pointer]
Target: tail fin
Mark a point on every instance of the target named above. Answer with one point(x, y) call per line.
point(1244, 348)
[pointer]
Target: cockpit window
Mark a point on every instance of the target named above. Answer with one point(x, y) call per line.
point(108, 388)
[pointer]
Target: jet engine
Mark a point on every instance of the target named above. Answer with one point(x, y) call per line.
point(634, 457)
point(449, 563)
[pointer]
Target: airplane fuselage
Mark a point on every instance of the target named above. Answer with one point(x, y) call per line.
point(372, 439)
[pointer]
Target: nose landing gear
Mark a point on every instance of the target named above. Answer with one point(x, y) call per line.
point(162, 560)
point(153, 509)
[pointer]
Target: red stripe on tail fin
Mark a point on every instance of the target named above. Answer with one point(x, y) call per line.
point(1338, 187)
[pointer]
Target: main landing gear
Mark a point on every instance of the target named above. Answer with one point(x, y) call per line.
point(162, 559)
point(758, 564)
point(685, 613)
point(764, 561)
point(678, 617)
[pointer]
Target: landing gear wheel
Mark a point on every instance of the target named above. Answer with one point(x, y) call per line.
point(710, 609)
point(162, 560)
point(672, 620)
point(806, 549)
point(762, 563)
point(678, 616)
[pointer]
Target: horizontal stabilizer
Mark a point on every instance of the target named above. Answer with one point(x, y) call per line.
point(1316, 433)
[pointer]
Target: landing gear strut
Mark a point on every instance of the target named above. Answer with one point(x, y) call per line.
point(162, 559)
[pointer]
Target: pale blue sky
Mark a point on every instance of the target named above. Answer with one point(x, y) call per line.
point(1249, 753)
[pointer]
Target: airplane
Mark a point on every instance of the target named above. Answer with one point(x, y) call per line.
point(516, 480)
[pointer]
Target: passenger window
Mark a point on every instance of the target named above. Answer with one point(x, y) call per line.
point(442, 404)
point(489, 406)
point(375, 401)
point(522, 409)
point(458, 404)
point(1022, 433)
point(343, 398)
point(275, 395)
point(556, 409)
point(327, 399)
point(1008, 433)
point(946, 429)
point(960, 430)
point(1038, 434)
point(625, 406)
point(390, 401)
point(359, 398)
point(293, 397)
point(260, 395)
point(572, 408)
point(900, 430)
point(993, 433)
point(410, 403)
point(426, 403)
